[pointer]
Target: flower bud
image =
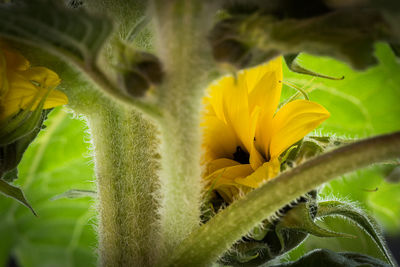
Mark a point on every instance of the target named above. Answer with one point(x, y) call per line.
point(138, 71)
point(226, 46)
point(231, 48)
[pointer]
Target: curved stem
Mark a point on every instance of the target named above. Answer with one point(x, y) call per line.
point(204, 245)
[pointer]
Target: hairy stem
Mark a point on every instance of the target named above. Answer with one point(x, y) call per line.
point(126, 167)
point(181, 28)
point(204, 245)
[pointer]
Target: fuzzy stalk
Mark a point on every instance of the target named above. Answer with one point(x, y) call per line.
point(207, 243)
point(181, 28)
point(125, 146)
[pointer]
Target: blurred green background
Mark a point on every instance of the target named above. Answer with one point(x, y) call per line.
point(363, 104)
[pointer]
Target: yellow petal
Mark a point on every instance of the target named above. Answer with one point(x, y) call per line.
point(293, 121)
point(264, 173)
point(256, 159)
point(219, 139)
point(254, 75)
point(217, 90)
point(56, 98)
point(20, 94)
point(222, 181)
point(12, 108)
point(232, 193)
point(15, 61)
point(264, 126)
point(265, 83)
point(3, 77)
point(228, 193)
point(43, 76)
point(266, 95)
point(236, 111)
point(218, 164)
point(227, 176)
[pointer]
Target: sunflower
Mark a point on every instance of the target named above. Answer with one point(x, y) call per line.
point(24, 87)
point(244, 132)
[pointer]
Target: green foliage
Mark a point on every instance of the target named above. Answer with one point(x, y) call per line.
point(63, 233)
point(51, 25)
point(256, 31)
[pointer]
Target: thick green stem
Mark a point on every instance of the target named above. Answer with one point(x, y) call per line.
point(181, 28)
point(126, 155)
point(203, 246)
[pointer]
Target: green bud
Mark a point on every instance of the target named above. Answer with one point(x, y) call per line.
point(307, 148)
point(230, 48)
point(134, 83)
point(138, 71)
point(226, 46)
point(20, 125)
point(16, 141)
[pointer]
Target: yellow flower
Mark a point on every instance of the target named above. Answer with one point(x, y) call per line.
point(244, 135)
point(23, 86)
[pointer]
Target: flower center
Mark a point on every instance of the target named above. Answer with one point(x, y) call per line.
point(241, 156)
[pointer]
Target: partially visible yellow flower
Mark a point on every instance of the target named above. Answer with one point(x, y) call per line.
point(244, 135)
point(23, 86)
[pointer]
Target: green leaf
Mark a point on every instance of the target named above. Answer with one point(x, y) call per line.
point(15, 193)
point(63, 233)
point(327, 208)
point(294, 66)
point(363, 104)
point(325, 257)
point(51, 25)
